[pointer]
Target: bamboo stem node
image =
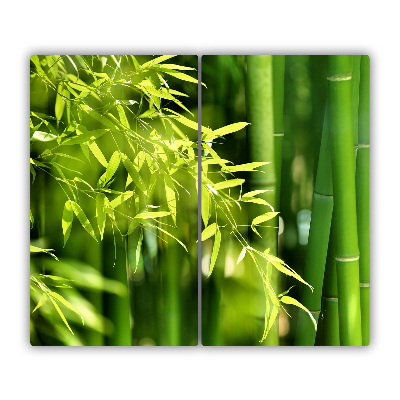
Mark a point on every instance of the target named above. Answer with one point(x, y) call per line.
point(326, 196)
point(340, 77)
point(364, 284)
point(348, 258)
point(331, 299)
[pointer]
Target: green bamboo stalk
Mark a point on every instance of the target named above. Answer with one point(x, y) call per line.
point(347, 254)
point(259, 102)
point(328, 324)
point(278, 70)
point(362, 187)
point(355, 85)
point(318, 240)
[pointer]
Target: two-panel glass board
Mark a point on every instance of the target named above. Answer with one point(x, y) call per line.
point(144, 233)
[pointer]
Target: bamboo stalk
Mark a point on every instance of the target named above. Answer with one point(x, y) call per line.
point(347, 254)
point(362, 187)
point(328, 324)
point(317, 243)
point(259, 102)
point(278, 70)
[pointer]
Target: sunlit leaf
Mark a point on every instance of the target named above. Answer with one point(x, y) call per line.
point(43, 136)
point(34, 249)
point(264, 217)
point(83, 219)
point(155, 214)
point(215, 250)
point(290, 300)
point(241, 255)
point(67, 218)
point(224, 131)
point(228, 184)
point(209, 231)
point(101, 213)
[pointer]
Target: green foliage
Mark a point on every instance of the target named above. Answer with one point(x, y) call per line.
point(104, 103)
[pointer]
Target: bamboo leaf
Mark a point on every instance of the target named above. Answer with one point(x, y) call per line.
point(155, 214)
point(208, 232)
point(205, 205)
point(120, 199)
point(83, 219)
point(34, 249)
point(224, 131)
point(241, 255)
point(138, 249)
point(98, 154)
point(254, 193)
point(40, 303)
point(67, 219)
point(264, 217)
point(60, 103)
point(228, 184)
point(290, 300)
point(169, 234)
point(170, 195)
point(101, 213)
point(112, 165)
point(137, 179)
point(61, 314)
point(269, 322)
point(157, 60)
point(244, 167)
point(65, 303)
point(84, 137)
point(215, 251)
point(43, 136)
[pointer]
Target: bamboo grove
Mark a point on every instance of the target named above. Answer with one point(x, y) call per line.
point(114, 161)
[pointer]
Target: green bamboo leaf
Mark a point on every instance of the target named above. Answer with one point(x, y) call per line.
point(264, 217)
point(138, 249)
point(34, 249)
point(282, 267)
point(290, 300)
point(209, 231)
point(101, 213)
point(83, 219)
point(67, 219)
point(228, 184)
point(98, 154)
point(43, 136)
point(215, 251)
point(177, 67)
point(241, 255)
point(254, 193)
point(157, 60)
point(170, 195)
point(120, 199)
point(61, 314)
point(169, 234)
point(89, 136)
point(244, 167)
point(155, 214)
point(225, 131)
point(40, 303)
point(65, 303)
point(137, 179)
point(122, 116)
point(180, 75)
point(269, 322)
point(60, 103)
point(112, 165)
point(132, 226)
point(205, 205)
point(255, 201)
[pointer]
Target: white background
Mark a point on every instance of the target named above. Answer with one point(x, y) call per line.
point(203, 27)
